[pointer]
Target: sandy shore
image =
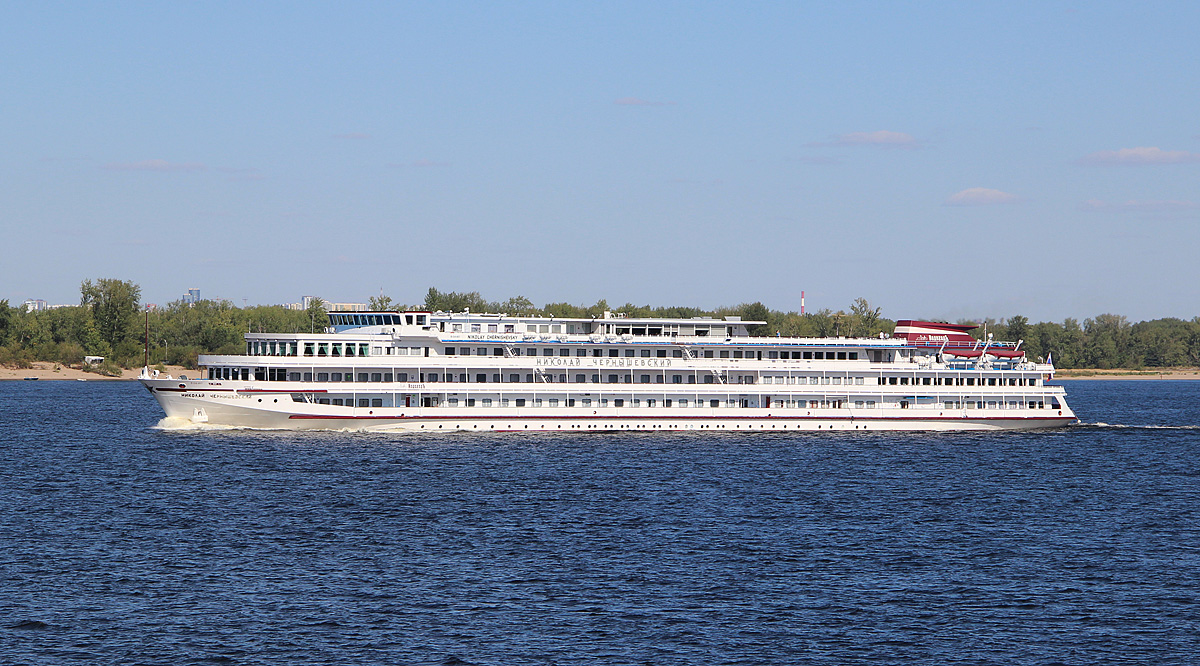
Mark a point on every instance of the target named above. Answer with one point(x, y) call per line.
point(45, 371)
point(1149, 373)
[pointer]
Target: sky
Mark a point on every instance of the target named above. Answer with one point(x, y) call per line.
point(949, 160)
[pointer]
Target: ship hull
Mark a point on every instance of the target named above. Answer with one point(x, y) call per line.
point(253, 408)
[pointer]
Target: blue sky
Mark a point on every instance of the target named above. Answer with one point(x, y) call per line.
point(939, 159)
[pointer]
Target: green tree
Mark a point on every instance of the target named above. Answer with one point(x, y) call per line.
point(381, 303)
point(114, 306)
point(755, 311)
point(6, 317)
point(317, 316)
point(864, 320)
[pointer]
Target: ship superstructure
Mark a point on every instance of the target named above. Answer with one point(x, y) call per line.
point(463, 371)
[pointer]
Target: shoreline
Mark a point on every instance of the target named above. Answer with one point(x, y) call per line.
point(1149, 373)
point(45, 370)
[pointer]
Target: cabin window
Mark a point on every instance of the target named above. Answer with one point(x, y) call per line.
point(520, 402)
point(450, 351)
point(480, 378)
point(377, 402)
point(618, 402)
point(510, 328)
point(807, 354)
point(714, 403)
point(644, 379)
point(486, 402)
point(564, 352)
point(470, 402)
point(737, 353)
point(581, 352)
point(493, 328)
point(376, 376)
point(514, 379)
point(645, 353)
point(456, 328)
point(630, 352)
point(452, 402)
point(308, 348)
point(475, 328)
point(676, 379)
point(547, 352)
point(724, 353)
point(432, 377)
point(580, 379)
point(553, 402)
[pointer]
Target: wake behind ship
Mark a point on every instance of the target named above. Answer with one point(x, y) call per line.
point(442, 371)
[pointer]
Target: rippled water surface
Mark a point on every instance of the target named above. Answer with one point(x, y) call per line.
point(123, 543)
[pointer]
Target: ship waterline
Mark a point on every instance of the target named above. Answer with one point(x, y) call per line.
point(439, 372)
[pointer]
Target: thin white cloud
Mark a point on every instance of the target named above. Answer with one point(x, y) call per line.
point(1140, 206)
point(979, 196)
point(634, 101)
point(1140, 155)
point(155, 165)
point(878, 138)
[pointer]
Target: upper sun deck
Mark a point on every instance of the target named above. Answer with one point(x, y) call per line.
point(471, 322)
point(612, 327)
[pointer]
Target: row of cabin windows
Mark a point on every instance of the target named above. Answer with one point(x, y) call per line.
point(685, 402)
point(271, 348)
point(959, 381)
point(282, 374)
point(648, 353)
point(563, 378)
point(836, 381)
point(336, 349)
point(377, 319)
point(586, 402)
point(997, 404)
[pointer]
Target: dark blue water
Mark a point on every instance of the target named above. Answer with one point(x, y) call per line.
point(123, 544)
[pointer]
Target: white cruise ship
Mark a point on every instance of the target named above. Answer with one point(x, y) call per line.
point(441, 371)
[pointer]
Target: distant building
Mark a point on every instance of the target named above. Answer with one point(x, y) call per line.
point(307, 301)
point(192, 296)
point(35, 305)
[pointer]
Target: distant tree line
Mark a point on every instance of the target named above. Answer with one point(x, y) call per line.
point(111, 322)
